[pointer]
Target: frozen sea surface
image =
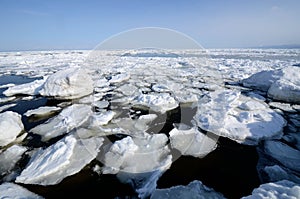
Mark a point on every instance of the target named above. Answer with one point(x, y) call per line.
point(150, 123)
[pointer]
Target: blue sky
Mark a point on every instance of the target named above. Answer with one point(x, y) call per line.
point(63, 24)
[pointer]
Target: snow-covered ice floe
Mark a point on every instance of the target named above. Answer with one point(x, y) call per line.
point(243, 119)
point(192, 142)
point(10, 127)
point(11, 190)
point(66, 157)
point(70, 83)
point(276, 190)
point(139, 161)
point(31, 88)
point(286, 155)
point(10, 157)
point(195, 189)
point(42, 111)
point(276, 173)
point(157, 102)
point(68, 119)
point(282, 84)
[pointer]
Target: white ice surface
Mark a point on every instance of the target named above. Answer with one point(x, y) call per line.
point(287, 88)
point(192, 142)
point(7, 106)
point(282, 84)
point(31, 88)
point(10, 127)
point(101, 118)
point(13, 191)
point(139, 161)
point(70, 83)
point(43, 110)
point(276, 173)
point(240, 118)
point(286, 155)
point(119, 78)
point(10, 157)
point(66, 157)
point(68, 119)
point(157, 102)
point(276, 190)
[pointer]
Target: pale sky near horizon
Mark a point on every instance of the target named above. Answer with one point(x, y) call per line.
point(82, 24)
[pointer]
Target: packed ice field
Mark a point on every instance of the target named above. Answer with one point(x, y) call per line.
point(133, 113)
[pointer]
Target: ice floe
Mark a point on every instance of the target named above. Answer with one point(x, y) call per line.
point(286, 155)
point(262, 80)
point(10, 127)
point(11, 190)
point(7, 99)
point(192, 142)
point(6, 106)
point(101, 118)
point(70, 83)
point(195, 189)
point(68, 119)
point(139, 161)
point(282, 84)
point(157, 102)
point(119, 78)
point(41, 111)
point(240, 118)
point(276, 190)
point(66, 157)
point(282, 106)
point(101, 104)
point(287, 88)
point(10, 157)
point(31, 88)
point(276, 173)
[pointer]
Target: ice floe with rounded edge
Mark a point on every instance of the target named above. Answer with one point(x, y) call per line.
point(102, 118)
point(66, 157)
point(70, 83)
point(101, 104)
point(31, 88)
point(7, 85)
point(139, 161)
point(192, 142)
point(99, 83)
point(195, 189)
point(282, 106)
point(282, 84)
point(276, 173)
point(157, 102)
point(7, 99)
point(130, 126)
point(262, 80)
point(245, 120)
point(10, 157)
point(11, 190)
point(10, 127)
point(42, 111)
point(286, 155)
point(127, 89)
point(6, 106)
point(287, 88)
point(68, 119)
point(119, 78)
point(276, 190)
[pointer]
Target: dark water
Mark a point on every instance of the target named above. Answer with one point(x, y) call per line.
point(230, 169)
